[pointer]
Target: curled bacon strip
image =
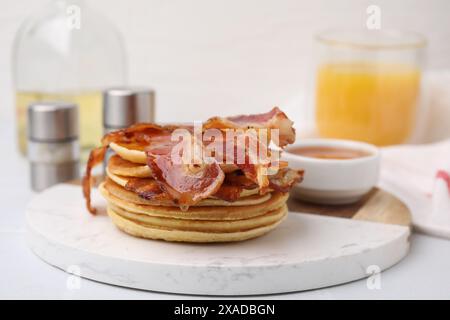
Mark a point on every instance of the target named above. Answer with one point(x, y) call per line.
point(186, 183)
point(146, 188)
point(274, 119)
point(284, 179)
point(253, 168)
point(242, 149)
point(232, 186)
point(95, 157)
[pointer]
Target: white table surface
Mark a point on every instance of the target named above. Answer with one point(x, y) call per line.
point(423, 274)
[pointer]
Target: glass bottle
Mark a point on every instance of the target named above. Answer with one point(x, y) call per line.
point(66, 51)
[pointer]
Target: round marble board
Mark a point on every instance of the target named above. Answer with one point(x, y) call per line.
point(306, 251)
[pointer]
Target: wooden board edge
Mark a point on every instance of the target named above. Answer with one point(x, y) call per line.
point(384, 207)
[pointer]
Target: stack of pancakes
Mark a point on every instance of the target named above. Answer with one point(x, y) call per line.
point(129, 180)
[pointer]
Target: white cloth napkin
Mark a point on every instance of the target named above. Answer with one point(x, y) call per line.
point(420, 176)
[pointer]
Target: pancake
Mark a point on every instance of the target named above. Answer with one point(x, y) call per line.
point(122, 167)
point(136, 156)
point(199, 212)
point(139, 229)
point(203, 225)
point(125, 195)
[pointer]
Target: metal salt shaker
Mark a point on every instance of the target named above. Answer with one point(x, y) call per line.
point(123, 107)
point(53, 146)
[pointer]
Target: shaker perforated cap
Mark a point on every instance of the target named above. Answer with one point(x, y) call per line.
point(123, 107)
point(52, 121)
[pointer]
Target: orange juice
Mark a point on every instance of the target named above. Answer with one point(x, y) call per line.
point(373, 102)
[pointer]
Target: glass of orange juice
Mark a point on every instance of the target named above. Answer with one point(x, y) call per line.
point(367, 85)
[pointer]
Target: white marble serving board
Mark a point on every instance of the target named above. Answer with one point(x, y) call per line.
point(304, 252)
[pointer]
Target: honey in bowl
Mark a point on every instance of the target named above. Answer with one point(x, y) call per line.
point(321, 152)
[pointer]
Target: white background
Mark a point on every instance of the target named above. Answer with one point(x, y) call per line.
point(209, 57)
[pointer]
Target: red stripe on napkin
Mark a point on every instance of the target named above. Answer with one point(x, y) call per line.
point(441, 174)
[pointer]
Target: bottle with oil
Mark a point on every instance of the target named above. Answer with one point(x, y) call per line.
point(68, 52)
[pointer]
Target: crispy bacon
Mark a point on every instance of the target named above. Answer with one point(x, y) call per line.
point(186, 184)
point(284, 179)
point(243, 149)
point(146, 188)
point(95, 157)
point(232, 186)
point(139, 136)
point(253, 168)
point(274, 119)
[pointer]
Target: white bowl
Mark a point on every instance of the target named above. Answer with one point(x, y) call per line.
point(334, 181)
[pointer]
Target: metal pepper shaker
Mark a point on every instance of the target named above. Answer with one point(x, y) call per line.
point(123, 107)
point(53, 146)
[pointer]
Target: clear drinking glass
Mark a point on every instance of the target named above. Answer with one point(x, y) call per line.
point(367, 85)
point(67, 52)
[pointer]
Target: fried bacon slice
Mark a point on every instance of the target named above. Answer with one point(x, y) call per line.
point(274, 119)
point(232, 186)
point(186, 183)
point(248, 152)
point(146, 188)
point(253, 167)
point(284, 179)
point(95, 157)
